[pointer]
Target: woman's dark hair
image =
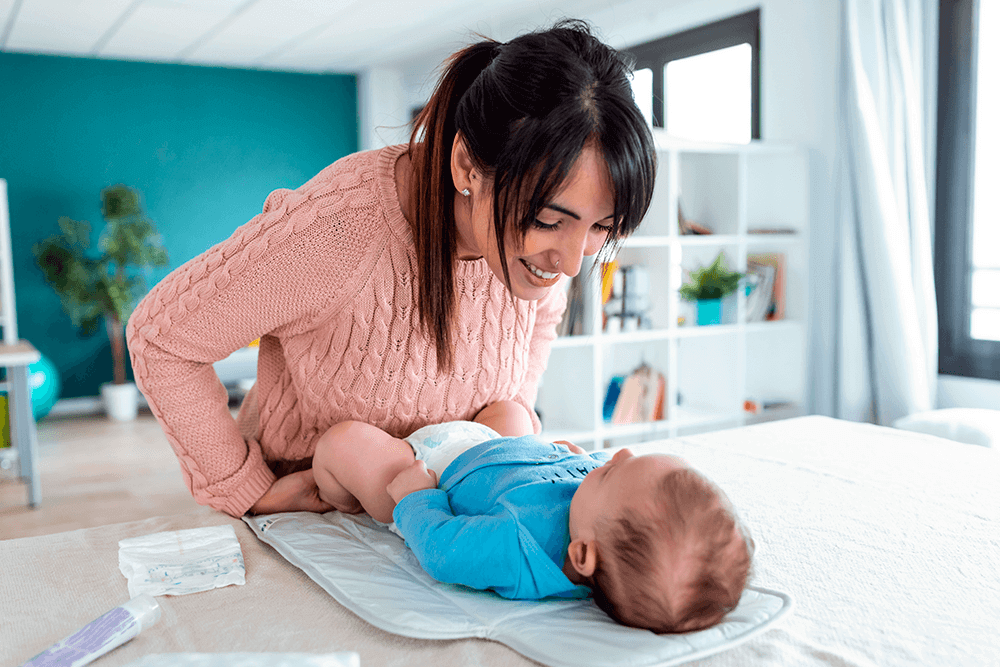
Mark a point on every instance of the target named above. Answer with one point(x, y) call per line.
point(526, 110)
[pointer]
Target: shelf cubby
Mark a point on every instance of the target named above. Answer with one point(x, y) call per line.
point(754, 199)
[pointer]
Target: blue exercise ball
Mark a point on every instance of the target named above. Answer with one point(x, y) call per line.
point(43, 378)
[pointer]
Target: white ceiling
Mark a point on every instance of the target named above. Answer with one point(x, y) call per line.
point(289, 35)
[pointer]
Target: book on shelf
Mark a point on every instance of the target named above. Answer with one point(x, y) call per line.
point(641, 398)
point(611, 397)
point(572, 321)
point(766, 301)
point(609, 276)
point(760, 280)
point(608, 271)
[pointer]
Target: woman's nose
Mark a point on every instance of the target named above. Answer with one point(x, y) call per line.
point(575, 248)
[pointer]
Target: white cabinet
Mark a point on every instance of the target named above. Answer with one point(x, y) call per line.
point(15, 356)
point(754, 199)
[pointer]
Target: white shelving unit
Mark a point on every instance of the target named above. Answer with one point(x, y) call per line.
point(709, 370)
point(15, 356)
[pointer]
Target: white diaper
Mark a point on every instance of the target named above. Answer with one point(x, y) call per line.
point(438, 445)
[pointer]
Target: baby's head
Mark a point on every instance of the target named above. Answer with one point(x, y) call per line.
point(659, 544)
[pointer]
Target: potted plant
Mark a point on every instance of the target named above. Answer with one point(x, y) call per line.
point(707, 286)
point(107, 284)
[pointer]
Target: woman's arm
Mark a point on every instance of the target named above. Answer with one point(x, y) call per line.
point(263, 277)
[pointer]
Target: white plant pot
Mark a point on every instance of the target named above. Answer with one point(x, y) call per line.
point(121, 401)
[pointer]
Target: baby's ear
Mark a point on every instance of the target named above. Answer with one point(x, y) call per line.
point(583, 556)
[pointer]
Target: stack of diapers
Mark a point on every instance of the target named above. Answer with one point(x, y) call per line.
point(369, 570)
point(179, 562)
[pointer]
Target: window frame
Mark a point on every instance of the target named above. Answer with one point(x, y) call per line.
point(740, 29)
point(959, 353)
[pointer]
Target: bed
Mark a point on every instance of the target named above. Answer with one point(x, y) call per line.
point(889, 542)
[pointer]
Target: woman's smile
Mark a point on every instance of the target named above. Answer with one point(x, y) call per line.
point(540, 278)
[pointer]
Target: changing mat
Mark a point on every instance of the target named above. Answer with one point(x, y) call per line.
point(369, 570)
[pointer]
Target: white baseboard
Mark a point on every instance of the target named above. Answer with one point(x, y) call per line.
point(82, 406)
point(76, 407)
point(237, 372)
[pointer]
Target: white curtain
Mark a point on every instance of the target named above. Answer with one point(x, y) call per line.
point(887, 353)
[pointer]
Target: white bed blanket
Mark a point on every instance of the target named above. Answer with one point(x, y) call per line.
point(889, 542)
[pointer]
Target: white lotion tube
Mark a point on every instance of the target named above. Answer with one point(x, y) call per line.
point(101, 635)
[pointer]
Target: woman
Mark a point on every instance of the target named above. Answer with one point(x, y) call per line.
point(411, 285)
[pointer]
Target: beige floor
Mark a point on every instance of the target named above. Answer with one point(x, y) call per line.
point(95, 471)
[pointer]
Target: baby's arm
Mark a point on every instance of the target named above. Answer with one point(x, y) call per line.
point(415, 477)
point(508, 418)
point(353, 464)
point(479, 551)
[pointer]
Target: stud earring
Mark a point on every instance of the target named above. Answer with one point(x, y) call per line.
point(465, 192)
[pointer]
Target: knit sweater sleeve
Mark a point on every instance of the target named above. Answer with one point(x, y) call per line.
point(548, 314)
point(276, 273)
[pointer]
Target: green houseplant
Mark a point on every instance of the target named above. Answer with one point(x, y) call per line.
point(106, 284)
point(707, 286)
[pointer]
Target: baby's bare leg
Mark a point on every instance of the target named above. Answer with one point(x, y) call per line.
point(508, 418)
point(331, 491)
point(354, 460)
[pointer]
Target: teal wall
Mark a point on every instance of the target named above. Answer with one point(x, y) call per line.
point(203, 145)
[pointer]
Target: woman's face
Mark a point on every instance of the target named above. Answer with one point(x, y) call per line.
point(575, 223)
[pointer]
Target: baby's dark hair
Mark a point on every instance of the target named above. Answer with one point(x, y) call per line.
point(689, 537)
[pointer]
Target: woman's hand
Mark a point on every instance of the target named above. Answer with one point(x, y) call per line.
point(413, 478)
point(296, 492)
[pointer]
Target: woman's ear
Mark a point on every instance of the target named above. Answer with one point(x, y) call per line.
point(463, 171)
point(583, 556)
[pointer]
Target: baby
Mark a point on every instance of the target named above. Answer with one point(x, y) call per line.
point(657, 544)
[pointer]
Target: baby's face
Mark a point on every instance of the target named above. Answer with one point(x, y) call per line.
point(620, 484)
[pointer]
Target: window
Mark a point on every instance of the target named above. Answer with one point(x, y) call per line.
point(671, 74)
point(967, 226)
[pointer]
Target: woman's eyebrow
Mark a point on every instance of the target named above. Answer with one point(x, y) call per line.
point(575, 216)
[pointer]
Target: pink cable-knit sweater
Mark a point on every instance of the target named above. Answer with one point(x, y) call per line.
point(324, 276)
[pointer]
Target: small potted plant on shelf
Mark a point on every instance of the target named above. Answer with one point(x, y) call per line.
point(707, 286)
point(107, 284)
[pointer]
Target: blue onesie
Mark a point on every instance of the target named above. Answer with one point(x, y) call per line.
point(499, 518)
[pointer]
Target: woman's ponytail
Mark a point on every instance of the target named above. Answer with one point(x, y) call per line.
point(433, 193)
